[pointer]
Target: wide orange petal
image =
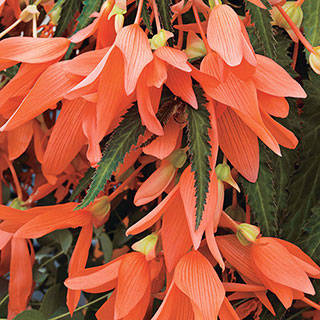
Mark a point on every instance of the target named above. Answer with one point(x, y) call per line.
point(196, 278)
point(63, 217)
point(19, 139)
point(175, 234)
point(164, 145)
point(276, 263)
point(239, 144)
point(156, 73)
point(224, 34)
point(55, 83)
point(78, 262)
point(20, 284)
point(180, 83)
point(135, 46)
point(273, 79)
point(33, 50)
point(153, 216)
point(276, 106)
point(176, 58)
point(133, 282)
point(176, 305)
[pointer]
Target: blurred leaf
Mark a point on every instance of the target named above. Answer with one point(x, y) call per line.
point(53, 299)
point(106, 246)
point(263, 29)
point(68, 10)
point(38, 276)
point(305, 184)
point(200, 151)
point(83, 184)
point(30, 315)
point(63, 237)
point(123, 138)
point(261, 196)
point(311, 22)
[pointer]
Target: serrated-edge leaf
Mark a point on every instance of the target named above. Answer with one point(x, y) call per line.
point(200, 151)
point(124, 137)
point(83, 184)
point(165, 15)
point(145, 15)
point(311, 22)
point(68, 9)
point(261, 196)
point(263, 29)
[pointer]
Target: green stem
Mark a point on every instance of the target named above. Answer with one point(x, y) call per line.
point(61, 316)
point(4, 299)
point(51, 259)
point(298, 313)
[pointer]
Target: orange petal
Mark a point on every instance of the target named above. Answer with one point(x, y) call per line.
point(174, 57)
point(67, 137)
point(224, 34)
point(153, 216)
point(267, 252)
point(196, 278)
point(19, 139)
point(20, 284)
point(5, 237)
point(175, 234)
point(33, 50)
point(239, 144)
point(273, 79)
point(227, 311)
point(135, 46)
point(258, 3)
point(85, 32)
point(176, 305)
point(133, 282)
point(156, 73)
point(164, 145)
point(107, 309)
point(276, 106)
point(180, 83)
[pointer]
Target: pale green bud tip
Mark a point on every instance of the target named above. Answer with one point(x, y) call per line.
point(17, 204)
point(247, 233)
point(160, 39)
point(116, 11)
point(314, 60)
point(212, 3)
point(29, 12)
point(146, 245)
point(195, 47)
point(294, 12)
point(177, 158)
point(100, 207)
point(223, 173)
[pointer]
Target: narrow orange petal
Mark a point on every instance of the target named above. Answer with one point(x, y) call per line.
point(135, 46)
point(227, 311)
point(85, 32)
point(107, 309)
point(276, 106)
point(5, 237)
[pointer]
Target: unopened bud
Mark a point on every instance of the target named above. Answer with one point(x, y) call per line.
point(18, 204)
point(195, 46)
point(118, 22)
point(212, 3)
point(147, 246)
point(100, 209)
point(177, 158)
point(247, 233)
point(55, 15)
point(294, 12)
point(314, 60)
point(116, 10)
point(29, 12)
point(223, 173)
point(160, 39)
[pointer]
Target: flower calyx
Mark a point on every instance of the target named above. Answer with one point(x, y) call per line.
point(247, 233)
point(147, 246)
point(223, 173)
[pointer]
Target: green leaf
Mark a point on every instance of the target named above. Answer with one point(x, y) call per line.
point(30, 315)
point(311, 22)
point(68, 9)
point(63, 237)
point(305, 184)
point(53, 299)
point(124, 137)
point(261, 195)
point(83, 184)
point(145, 15)
point(165, 14)
point(263, 29)
point(106, 246)
point(311, 240)
point(200, 151)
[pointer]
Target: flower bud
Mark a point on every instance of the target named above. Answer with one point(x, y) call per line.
point(314, 60)
point(160, 39)
point(116, 10)
point(118, 22)
point(294, 12)
point(247, 233)
point(29, 12)
point(147, 246)
point(18, 204)
point(195, 46)
point(177, 158)
point(223, 173)
point(100, 210)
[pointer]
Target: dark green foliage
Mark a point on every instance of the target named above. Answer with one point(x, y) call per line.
point(165, 14)
point(124, 137)
point(145, 15)
point(200, 151)
point(83, 184)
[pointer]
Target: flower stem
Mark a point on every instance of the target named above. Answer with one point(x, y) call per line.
point(3, 33)
point(137, 20)
point(203, 35)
